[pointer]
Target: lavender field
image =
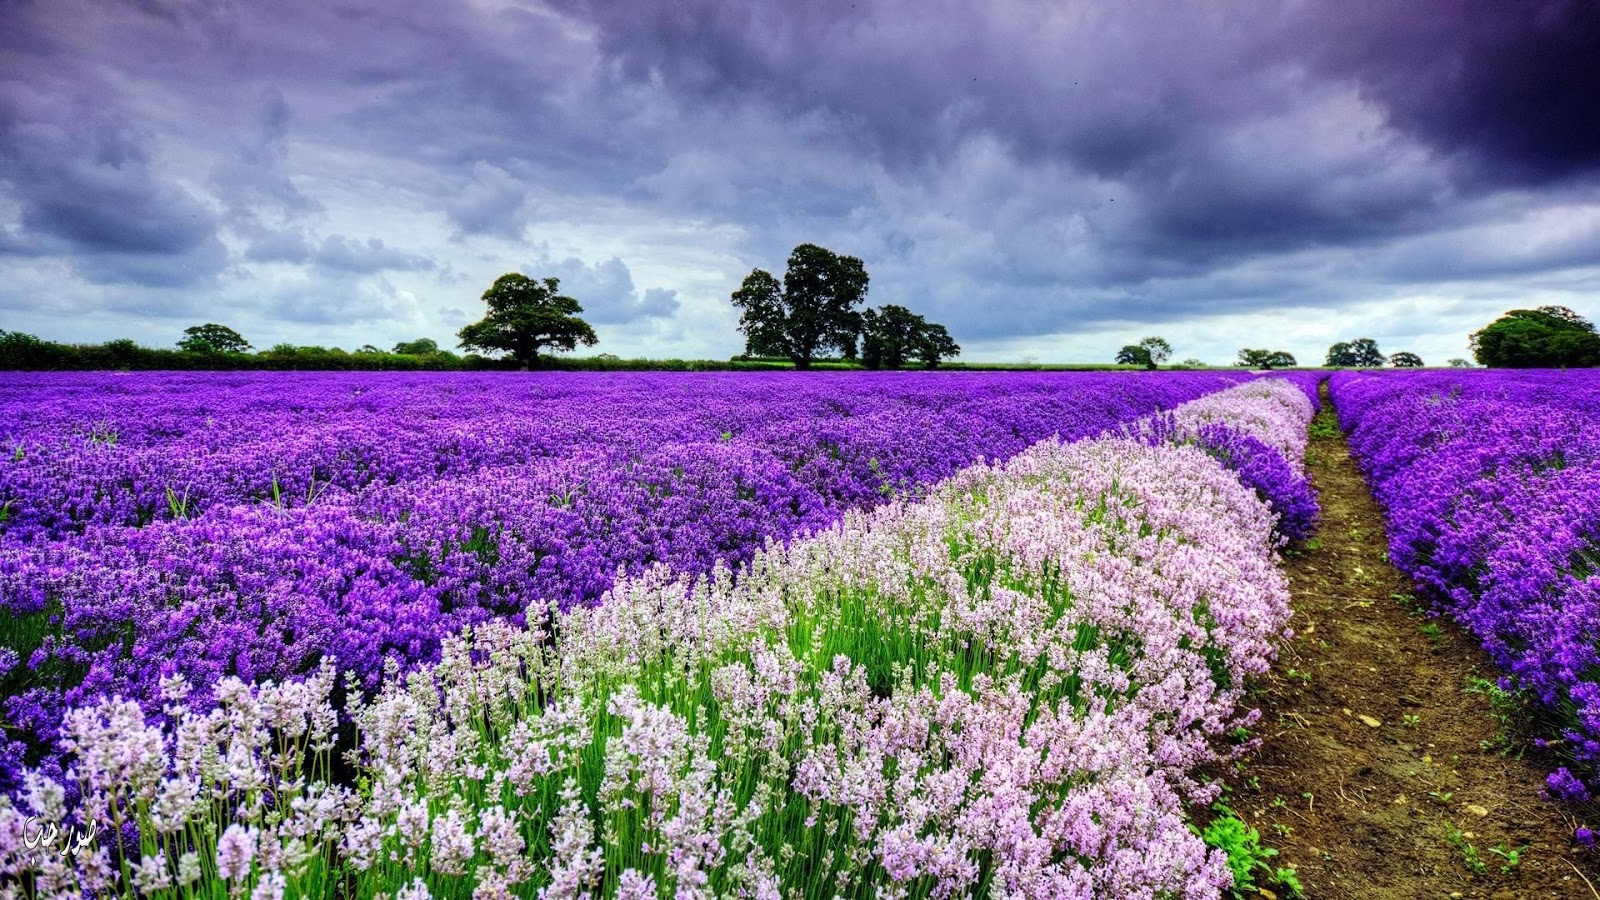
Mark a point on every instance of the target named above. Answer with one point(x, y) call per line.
point(640, 635)
point(1491, 484)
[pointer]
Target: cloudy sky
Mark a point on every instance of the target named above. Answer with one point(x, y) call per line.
point(1049, 179)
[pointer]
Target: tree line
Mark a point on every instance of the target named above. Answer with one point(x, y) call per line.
point(1547, 337)
point(812, 317)
point(813, 312)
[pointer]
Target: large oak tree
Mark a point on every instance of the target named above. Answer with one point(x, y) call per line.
point(1547, 337)
point(525, 316)
point(812, 311)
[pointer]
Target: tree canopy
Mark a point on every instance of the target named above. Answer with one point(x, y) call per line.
point(935, 344)
point(524, 316)
point(212, 338)
point(418, 347)
point(1150, 352)
point(892, 335)
point(1546, 337)
point(1135, 355)
point(1160, 351)
point(1405, 359)
point(1265, 359)
point(812, 311)
point(1361, 353)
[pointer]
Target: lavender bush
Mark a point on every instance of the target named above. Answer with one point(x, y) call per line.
point(1002, 688)
point(1258, 432)
point(1490, 482)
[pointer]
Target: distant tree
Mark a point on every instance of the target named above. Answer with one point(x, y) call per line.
point(20, 350)
point(934, 345)
point(1160, 351)
point(418, 347)
point(367, 349)
point(893, 335)
point(1459, 363)
point(121, 351)
point(889, 336)
point(212, 338)
point(1405, 360)
point(1546, 337)
point(524, 316)
point(1135, 355)
point(812, 311)
point(1265, 359)
point(1361, 353)
point(1192, 363)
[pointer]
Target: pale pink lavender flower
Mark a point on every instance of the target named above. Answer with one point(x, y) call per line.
point(416, 890)
point(271, 887)
point(452, 845)
point(236, 848)
point(633, 885)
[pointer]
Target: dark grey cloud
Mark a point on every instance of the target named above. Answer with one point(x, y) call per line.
point(287, 245)
point(1009, 167)
point(1514, 88)
point(84, 186)
point(1153, 100)
point(490, 202)
point(346, 255)
point(607, 292)
point(253, 179)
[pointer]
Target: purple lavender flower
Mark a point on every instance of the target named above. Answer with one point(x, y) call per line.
point(1490, 482)
point(253, 524)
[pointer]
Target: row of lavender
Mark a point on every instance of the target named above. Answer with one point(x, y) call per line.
point(1001, 689)
point(1491, 485)
point(253, 525)
point(108, 449)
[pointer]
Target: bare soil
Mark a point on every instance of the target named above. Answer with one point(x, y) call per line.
point(1379, 774)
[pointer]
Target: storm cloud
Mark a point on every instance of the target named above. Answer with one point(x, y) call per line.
point(1048, 179)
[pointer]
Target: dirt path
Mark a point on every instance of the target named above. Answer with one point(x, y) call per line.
point(1380, 775)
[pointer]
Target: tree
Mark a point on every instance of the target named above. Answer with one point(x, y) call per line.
point(524, 316)
point(1361, 353)
point(1265, 359)
point(212, 338)
point(934, 345)
point(1459, 363)
point(1135, 355)
point(1193, 363)
point(813, 310)
point(889, 336)
point(1405, 360)
point(1160, 351)
point(892, 335)
point(1546, 337)
point(418, 347)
